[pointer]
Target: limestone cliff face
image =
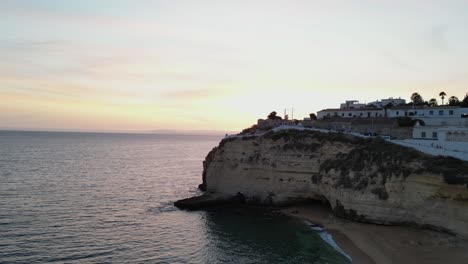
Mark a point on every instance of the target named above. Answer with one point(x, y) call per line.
point(362, 179)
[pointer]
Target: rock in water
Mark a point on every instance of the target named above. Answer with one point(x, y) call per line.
point(207, 200)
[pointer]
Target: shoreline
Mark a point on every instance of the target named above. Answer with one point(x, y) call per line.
point(328, 238)
point(370, 243)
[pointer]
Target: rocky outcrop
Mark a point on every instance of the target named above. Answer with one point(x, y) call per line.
point(209, 200)
point(367, 180)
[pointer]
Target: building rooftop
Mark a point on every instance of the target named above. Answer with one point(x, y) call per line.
point(403, 107)
point(351, 109)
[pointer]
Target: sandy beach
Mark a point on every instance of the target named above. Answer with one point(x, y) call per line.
point(368, 243)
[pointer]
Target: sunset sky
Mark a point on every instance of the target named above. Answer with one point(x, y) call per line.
point(218, 65)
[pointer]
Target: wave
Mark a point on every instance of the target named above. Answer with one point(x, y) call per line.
point(328, 238)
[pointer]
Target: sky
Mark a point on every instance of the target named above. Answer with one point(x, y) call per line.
point(114, 65)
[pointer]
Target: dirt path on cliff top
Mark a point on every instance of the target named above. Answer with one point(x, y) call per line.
point(368, 243)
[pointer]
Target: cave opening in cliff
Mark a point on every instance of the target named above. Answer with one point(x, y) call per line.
point(320, 204)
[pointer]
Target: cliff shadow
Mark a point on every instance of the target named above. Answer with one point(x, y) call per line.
point(252, 234)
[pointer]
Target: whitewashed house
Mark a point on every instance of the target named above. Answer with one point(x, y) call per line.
point(352, 104)
point(426, 132)
point(351, 113)
point(441, 133)
point(437, 122)
point(351, 109)
point(426, 111)
point(439, 140)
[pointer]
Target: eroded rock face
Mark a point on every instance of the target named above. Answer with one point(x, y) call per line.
point(362, 179)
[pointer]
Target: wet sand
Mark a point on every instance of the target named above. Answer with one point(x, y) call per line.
point(368, 243)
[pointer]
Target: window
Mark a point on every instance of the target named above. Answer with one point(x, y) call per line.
point(349, 114)
point(336, 113)
point(397, 112)
point(450, 112)
point(360, 114)
point(423, 134)
point(434, 134)
point(342, 114)
point(376, 114)
point(441, 112)
point(431, 112)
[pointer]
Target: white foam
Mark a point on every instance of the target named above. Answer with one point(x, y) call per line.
point(327, 237)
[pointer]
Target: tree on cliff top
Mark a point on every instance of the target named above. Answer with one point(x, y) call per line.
point(417, 99)
point(405, 121)
point(433, 102)
point(273, 116)
point(453, 101)
point(312, 116)
point(464, 103)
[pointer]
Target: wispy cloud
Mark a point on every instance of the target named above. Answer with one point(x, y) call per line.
point(207, 93)
point(56, 89)
point(177, 62)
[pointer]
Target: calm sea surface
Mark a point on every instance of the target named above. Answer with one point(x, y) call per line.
point(107, 198)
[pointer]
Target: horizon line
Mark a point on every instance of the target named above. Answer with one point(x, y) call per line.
point(136, 132)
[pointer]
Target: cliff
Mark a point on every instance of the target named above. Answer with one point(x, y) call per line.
point(367, 180)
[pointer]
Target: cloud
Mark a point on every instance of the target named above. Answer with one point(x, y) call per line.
point(197, 93)
point(29, 45)
point(58, 90)
point(58, 59)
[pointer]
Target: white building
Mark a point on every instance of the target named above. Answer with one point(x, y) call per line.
point(426, 111)
point(426, 132)
point(351, 109)
point(437, 140)
point(352, 104)
point(351, 113)
point(441, 133)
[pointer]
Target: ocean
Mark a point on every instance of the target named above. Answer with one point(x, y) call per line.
point(108, 198)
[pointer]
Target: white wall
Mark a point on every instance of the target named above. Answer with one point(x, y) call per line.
point(429, 112)
point(351, 114)
point(449, 121)
point(433, 147)
point(419, 130)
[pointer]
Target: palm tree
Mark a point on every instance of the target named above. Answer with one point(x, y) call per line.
point(442, 95)
point(433, 102)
